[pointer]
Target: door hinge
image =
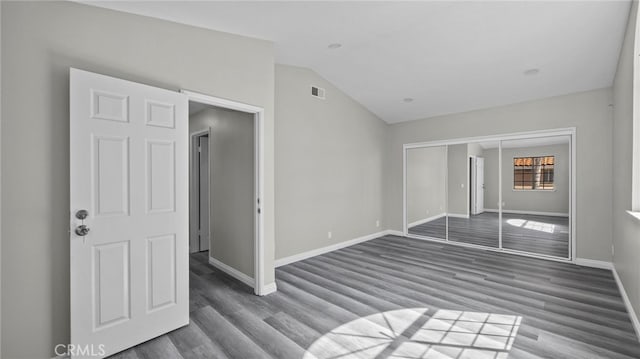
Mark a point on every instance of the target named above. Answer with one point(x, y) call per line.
point(199, 148)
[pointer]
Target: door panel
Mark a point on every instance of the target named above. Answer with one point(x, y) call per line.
point(129, 274)
point(162, 272)
point(111, 177)
point(109, 106)
point(161, 191)
point(111, 291)
point(160, 114)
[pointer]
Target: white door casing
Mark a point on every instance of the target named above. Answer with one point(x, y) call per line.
point(194, 188)
point(128, 169)
point(204, 194)
point(260, 287)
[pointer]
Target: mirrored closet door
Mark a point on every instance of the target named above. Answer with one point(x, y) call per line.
point(472, 184)
point(536, 195)
point(426, 189)
point(511, 194)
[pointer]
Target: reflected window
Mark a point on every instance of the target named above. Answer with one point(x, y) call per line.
point(533, 173)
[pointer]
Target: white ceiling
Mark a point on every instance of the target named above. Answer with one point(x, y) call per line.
point(449, 56)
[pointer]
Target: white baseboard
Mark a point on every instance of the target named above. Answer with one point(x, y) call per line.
point(608, 265)
point(269, 288)
point(627, 303)
point(457, 215)
point(233, 272)
point(425, 220)
point(533, 213)
point(316, 252)
point(594, 263)
point(393, 232)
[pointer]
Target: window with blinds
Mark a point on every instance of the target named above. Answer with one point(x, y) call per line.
point(533, 173)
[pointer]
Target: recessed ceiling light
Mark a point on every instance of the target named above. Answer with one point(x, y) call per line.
point(407, 99)
point(531, 72)
point(334, 46)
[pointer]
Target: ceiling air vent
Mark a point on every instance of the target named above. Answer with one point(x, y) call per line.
point(317, 92)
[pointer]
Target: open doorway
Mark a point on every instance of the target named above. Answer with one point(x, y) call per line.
point(199, 219)
point(222, 186)
point(226, 186)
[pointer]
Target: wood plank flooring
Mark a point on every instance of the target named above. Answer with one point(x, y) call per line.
point(394, 297)
point(548, 235)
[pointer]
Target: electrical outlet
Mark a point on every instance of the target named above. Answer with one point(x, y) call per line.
point(329, 235)
point(613, 250)
point(378, 223)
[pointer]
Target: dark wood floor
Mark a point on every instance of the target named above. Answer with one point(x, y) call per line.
point(547, 235)
point(395, 297)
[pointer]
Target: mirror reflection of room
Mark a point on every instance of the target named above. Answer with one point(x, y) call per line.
point(469, 178)
point(535, 195)
point(509, 194)
point(426, 191)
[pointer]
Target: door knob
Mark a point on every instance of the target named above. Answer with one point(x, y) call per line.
point(82, 214)
point(82, 230)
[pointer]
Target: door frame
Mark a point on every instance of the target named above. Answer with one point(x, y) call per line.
point(259, 286)
point(195, 182)
point(570, 131)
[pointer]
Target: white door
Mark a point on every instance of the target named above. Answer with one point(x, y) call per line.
point(479, 185)
point(129, 166)
point(203, 155)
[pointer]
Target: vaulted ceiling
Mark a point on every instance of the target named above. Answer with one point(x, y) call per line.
point(417, 59)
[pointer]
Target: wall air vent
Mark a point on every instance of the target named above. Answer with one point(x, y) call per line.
point(317, 92)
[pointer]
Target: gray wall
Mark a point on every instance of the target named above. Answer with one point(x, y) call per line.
point(458, 178)
point(426, 182)
point(329, 167)
point(231, 163)
point(555, 202)
point(40, 41)
point(589, 112)
point(475, 149)
point(626, 229)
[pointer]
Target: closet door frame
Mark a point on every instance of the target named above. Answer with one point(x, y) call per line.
point(570, 132)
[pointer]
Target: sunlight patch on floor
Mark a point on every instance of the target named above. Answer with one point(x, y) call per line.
point(415, 333)
point(536, 226)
